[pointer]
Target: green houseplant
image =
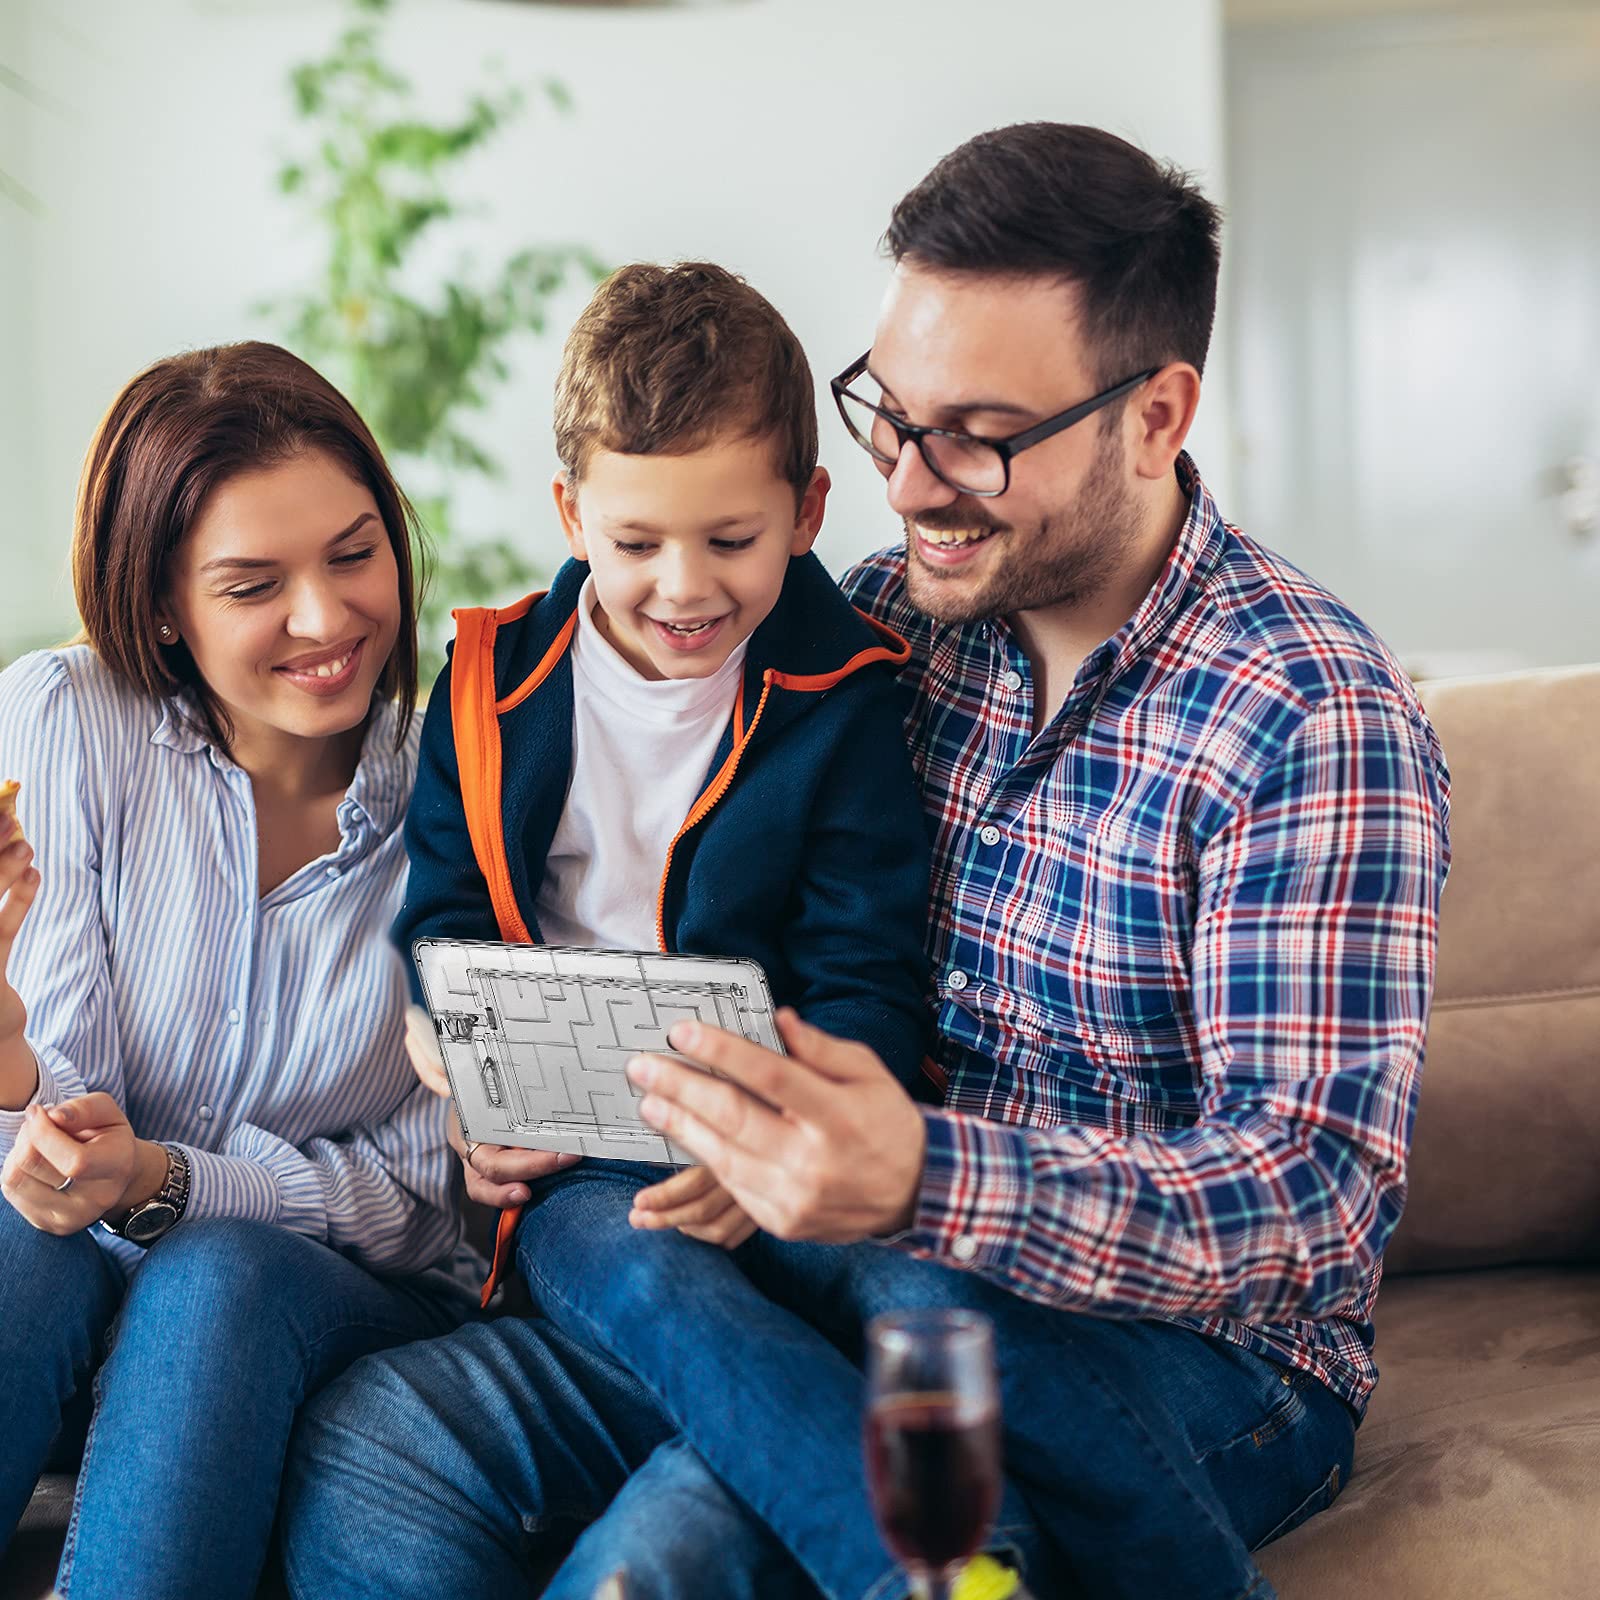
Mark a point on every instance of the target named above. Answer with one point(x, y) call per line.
point(415, 358)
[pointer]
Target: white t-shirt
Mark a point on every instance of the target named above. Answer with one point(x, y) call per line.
point(641, 751)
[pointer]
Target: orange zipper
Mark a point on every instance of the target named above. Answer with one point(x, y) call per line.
point(714, 791)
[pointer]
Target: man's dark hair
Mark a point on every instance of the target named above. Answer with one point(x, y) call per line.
point(1137, 238)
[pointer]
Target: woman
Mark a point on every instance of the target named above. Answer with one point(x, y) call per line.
point(218, 1163)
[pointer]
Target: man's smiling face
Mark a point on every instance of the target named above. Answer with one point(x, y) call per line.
point(991, 356)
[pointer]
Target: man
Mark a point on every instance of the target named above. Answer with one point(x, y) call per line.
point(1189, 832)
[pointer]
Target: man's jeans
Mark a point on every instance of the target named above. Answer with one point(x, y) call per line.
point(213, 1343)
point(1142, 1459)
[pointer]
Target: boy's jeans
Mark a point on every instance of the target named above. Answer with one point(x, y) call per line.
point(1142, 1458)
point(214, 1342)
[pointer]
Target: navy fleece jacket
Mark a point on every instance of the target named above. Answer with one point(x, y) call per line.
point(814, 860)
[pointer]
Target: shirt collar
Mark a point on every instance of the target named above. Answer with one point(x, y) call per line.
point(382, 783)
point(177, 728)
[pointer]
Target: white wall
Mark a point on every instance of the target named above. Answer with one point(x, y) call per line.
point(772, 136)
point(1416, 320)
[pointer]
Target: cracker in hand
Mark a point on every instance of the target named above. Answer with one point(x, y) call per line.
point(9, 790)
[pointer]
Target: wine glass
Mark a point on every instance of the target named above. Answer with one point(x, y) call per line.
point(933, 1440)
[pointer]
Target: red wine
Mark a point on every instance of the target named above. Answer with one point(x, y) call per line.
point(934, 1464)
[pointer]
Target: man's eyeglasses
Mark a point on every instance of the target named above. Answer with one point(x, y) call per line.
point(974, 466)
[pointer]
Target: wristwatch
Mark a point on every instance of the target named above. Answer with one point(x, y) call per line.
point(162, 1211)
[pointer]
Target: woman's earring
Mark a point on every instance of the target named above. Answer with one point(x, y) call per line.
point(166, 634)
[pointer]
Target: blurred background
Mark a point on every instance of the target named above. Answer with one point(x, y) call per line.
point(1404, 389)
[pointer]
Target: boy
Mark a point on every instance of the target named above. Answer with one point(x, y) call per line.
point(692, 742)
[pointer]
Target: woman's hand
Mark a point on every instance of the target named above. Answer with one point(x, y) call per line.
point(693, 1202)
point(19, 884)
point(77, 1162)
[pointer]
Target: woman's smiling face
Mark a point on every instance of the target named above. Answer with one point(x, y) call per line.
point(287, 595)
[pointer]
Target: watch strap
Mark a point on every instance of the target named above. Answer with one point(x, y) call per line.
point(172, 1197)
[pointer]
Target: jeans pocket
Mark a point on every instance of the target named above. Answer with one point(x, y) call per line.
point(1319, 1499)
point(1280, 1407)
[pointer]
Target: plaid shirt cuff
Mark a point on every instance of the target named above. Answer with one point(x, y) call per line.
point(977, 1193)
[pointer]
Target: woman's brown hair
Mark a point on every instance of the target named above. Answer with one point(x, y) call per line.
point(174, 434)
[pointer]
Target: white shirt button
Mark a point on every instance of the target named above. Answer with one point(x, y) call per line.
point(964, 1247)
point(332, 872)
point(1012, 680)
point(233, 1016)
point(957, 980)
point(205, 1113)
point(990, 834)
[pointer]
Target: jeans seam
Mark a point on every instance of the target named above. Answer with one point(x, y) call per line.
point(69, 1545)
point(1142, 1434)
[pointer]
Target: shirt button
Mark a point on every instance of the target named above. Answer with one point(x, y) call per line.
point(957, 980)
point(1012, 680)
point(205, 1113)
point(233, 1016)
point(964, 1247)
point(332, 872)
point(990, 834)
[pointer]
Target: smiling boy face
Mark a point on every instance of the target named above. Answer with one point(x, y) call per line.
point(688, 551)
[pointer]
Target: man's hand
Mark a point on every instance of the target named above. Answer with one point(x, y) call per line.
point(819, 1144)
point(498, 1175)
point(693, 1202)
point(89, 1142)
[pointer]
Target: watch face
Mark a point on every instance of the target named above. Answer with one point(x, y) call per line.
point(149, 1222)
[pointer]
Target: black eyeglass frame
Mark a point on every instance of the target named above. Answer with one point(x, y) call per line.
point(1012, 445)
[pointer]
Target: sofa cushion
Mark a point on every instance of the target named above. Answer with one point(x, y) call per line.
point(1504, 1161)
point(1475, 1470)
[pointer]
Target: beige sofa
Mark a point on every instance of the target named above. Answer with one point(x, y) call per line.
point(1477, 1473)
point(1478, 1468)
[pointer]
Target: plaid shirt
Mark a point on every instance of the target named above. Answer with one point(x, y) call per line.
point(1184, 947)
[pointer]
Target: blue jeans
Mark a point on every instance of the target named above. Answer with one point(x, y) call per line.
point(1142, 1458)
point(182, 1385)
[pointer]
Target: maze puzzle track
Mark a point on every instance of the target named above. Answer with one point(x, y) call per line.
point(536, 1040)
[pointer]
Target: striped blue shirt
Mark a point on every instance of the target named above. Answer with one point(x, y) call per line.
point(262, 1033)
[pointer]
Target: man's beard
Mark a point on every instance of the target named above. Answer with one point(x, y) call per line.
point(1066, 559)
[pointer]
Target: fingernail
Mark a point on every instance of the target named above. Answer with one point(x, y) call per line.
point(518, 1197)
point(642, 1070)
point(683, 1035)
point(653, 1109)
point(570, 1160)
point(62, 1113)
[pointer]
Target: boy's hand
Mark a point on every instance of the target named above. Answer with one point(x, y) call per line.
point(693, 1202)
point(498, 1175)
point(422, 1046)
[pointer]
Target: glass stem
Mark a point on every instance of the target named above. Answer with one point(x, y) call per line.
point(932, 1585)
